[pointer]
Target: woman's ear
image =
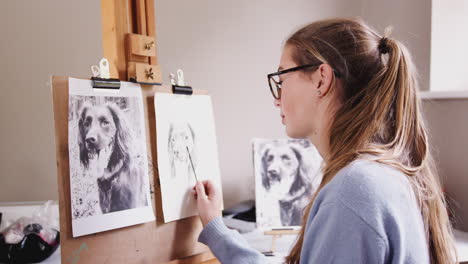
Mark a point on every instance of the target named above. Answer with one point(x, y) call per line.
point(324, 75)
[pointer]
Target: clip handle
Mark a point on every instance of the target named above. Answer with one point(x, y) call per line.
point(104, 68)
point(178, 86)
point(172, 79)
point(95, 71)
point(101, 76)
point(180, 78)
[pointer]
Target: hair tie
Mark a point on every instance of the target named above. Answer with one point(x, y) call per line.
point(383, 46)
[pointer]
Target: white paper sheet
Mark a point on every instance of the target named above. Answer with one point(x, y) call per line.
point(184, 122)
point(287, 173)
point(109, 182)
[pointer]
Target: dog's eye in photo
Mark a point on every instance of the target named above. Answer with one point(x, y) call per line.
point(87, 122)
point(270, 158)
point(105, 123)
point(285, 157)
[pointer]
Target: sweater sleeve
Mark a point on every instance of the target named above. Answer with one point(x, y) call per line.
point(228, 245)
point(336, 234)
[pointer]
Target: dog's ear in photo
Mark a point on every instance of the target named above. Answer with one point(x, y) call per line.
point(84, 159)
point(123, 141)
point(301, 180)
point(264, 172)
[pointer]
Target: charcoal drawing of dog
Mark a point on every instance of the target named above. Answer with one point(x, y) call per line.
point(181, 138)
point(104, 136)
point(285, 178)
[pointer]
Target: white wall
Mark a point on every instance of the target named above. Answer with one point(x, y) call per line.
point(39, 39)
point(449, 53)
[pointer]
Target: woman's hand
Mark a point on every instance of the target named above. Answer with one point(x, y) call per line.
point(209, 201)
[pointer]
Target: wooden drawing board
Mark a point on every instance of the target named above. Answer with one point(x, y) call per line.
point(153, 242)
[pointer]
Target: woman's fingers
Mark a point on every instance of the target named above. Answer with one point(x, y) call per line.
point(206, 187)
point(200, 190)
point(209, 203)
point(210, 188)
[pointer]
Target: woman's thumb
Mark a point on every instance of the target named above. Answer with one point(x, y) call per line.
point(201, 190)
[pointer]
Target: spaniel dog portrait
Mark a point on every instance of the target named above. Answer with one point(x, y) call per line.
point(286, 178)
point(181, 142)
point(106, 150)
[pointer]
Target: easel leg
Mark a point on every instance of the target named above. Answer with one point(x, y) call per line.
point(273, 242)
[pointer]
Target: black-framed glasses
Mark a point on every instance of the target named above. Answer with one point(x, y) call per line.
point(275, 83)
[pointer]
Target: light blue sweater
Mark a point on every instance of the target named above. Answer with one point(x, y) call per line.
point(366, 214)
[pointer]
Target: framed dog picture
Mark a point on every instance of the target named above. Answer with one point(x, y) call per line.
point(287, 173)
point(109, 182)
point(187, 150)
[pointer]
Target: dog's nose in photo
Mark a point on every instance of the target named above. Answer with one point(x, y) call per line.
point(91, 140)
point(274, 175)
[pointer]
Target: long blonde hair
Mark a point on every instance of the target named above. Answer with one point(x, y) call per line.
point(379, 116)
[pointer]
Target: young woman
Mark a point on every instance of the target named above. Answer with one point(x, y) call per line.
point(354, 94)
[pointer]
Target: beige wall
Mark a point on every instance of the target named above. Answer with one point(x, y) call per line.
point(39, 39)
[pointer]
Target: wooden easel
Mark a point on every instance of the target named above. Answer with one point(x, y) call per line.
point(279, 233)
point(129, 39)
point(129, 43)
point(153, 242)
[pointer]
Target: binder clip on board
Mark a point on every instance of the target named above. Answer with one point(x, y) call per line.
point(101, 76)
point(179, 87)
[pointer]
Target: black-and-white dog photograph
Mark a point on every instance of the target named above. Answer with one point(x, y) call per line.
point(108, 158)
point(108, 155)
point(287, 172)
